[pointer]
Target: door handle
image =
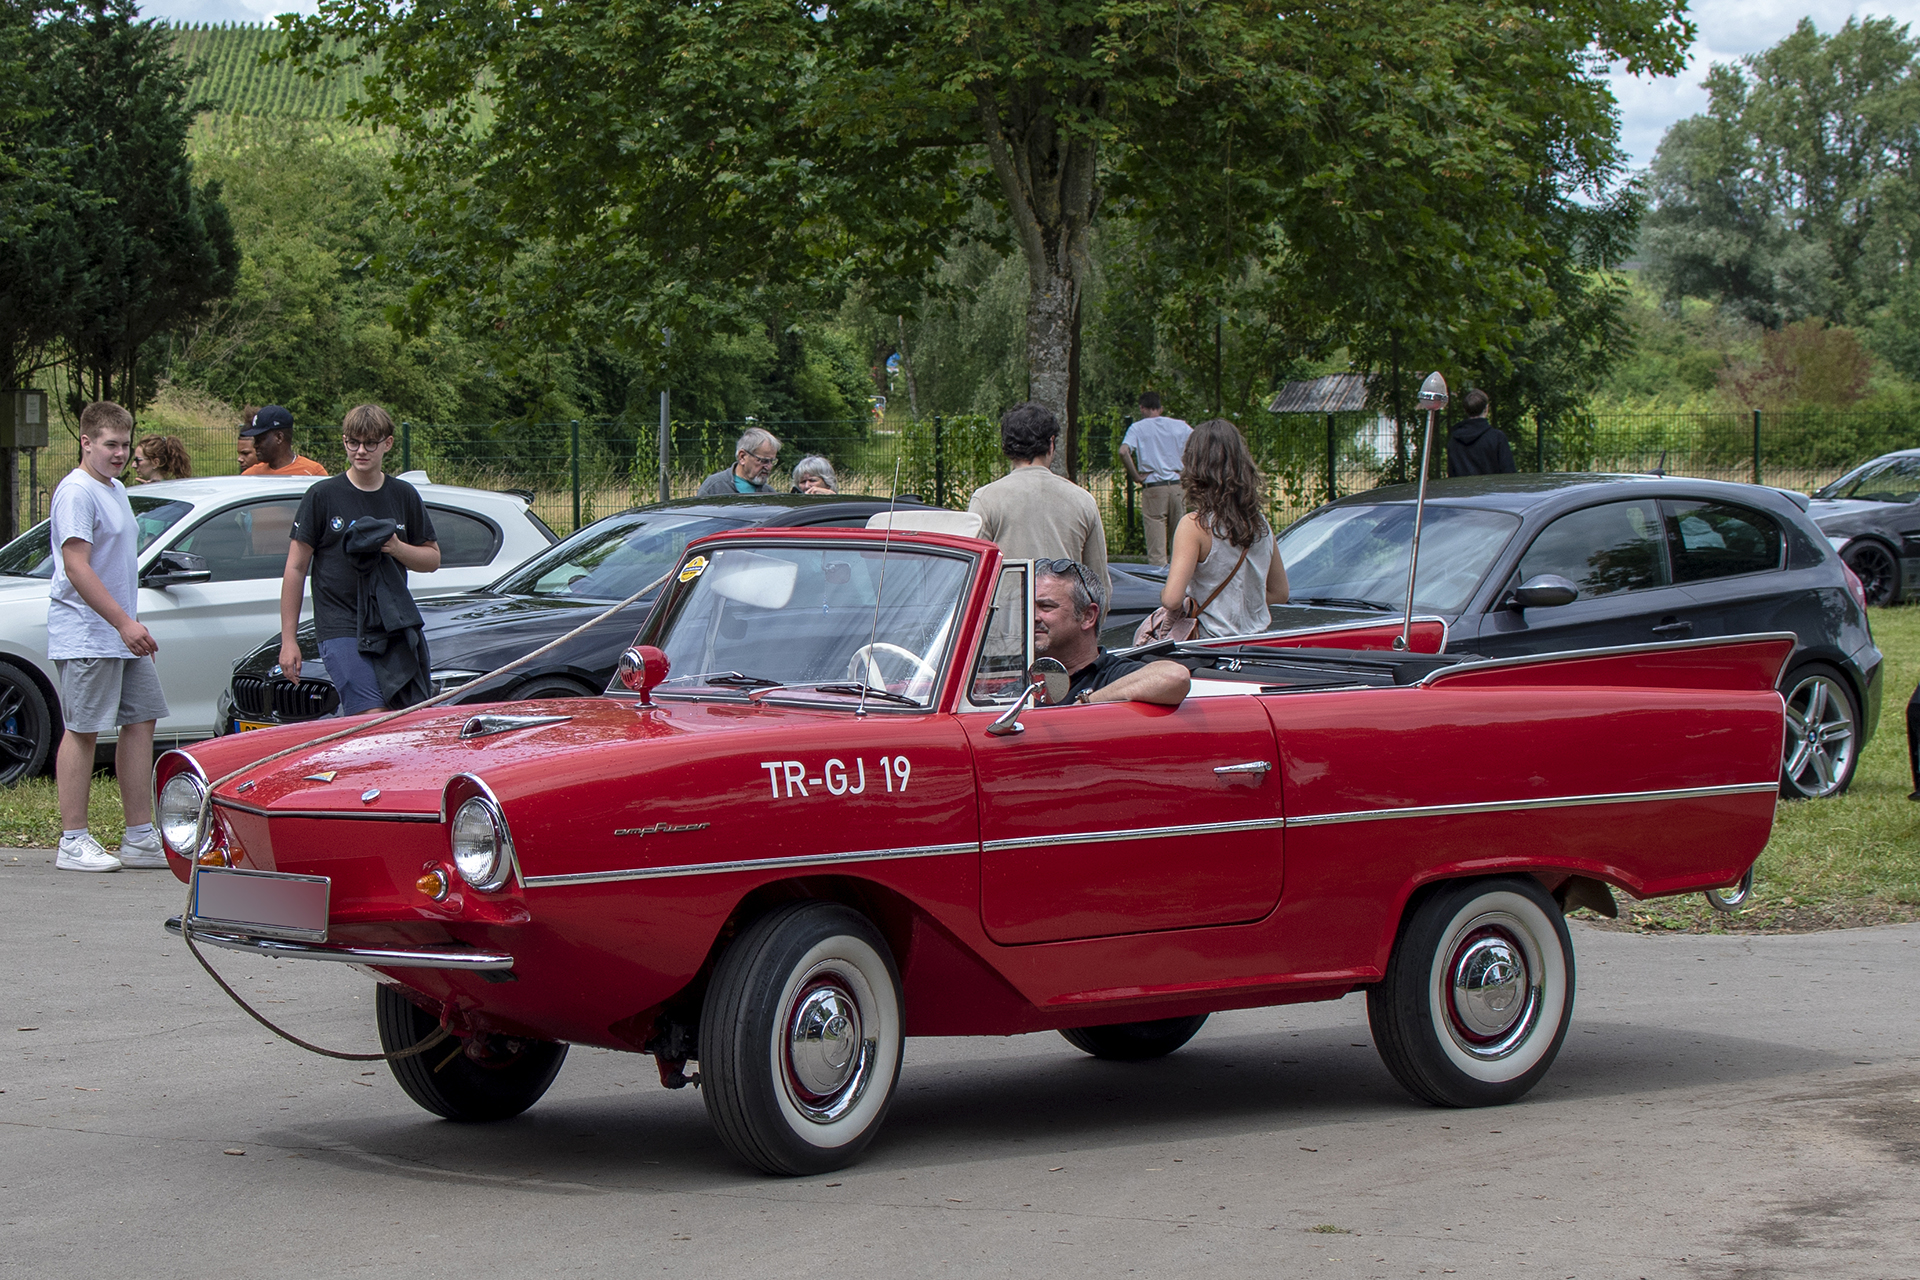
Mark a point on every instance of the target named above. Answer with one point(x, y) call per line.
point(1251, 766)
point(1673, 628)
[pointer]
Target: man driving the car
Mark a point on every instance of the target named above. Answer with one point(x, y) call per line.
point(1066, 627)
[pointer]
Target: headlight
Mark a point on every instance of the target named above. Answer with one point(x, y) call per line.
point(441, 681)
point(480, 847)
point(180, 813)
point(1838, 543)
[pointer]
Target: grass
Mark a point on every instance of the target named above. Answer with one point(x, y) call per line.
point(1853, 860)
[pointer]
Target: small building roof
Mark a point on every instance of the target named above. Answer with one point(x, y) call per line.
point(1335, 393)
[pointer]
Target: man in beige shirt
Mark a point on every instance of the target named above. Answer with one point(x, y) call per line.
point(1032, 513)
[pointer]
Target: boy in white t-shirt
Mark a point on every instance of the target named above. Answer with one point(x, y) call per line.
point(103, 654)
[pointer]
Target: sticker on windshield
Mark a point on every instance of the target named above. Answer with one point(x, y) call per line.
point(693, 569)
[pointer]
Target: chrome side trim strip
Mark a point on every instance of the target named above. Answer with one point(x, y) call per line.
point(1549, 802)
point(1136, 833)
point(398, 815)
point(480, 961)
point(748, 864)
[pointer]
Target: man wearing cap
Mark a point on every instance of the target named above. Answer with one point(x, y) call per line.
point(272, 434)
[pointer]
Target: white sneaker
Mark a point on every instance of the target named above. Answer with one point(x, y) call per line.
point(144, 855)
point(83, 853)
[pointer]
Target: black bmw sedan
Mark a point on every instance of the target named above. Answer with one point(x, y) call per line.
point(1524, 564)
point(471, 634)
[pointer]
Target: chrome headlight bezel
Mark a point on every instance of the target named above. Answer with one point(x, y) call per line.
point(177, 813)
point(481, 848)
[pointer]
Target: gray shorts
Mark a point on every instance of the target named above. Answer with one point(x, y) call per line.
point(97, 694)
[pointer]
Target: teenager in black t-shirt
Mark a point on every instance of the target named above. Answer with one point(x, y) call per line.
point(326, 513)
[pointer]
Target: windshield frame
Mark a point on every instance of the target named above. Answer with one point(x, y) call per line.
point(960, 637)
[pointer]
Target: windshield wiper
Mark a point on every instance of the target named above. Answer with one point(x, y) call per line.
point(855, 688)
point(1349, 602)
point(728, 679)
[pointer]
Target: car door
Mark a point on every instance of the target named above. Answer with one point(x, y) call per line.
point(203, 628)
point(1615, 553)
point(1117, 818)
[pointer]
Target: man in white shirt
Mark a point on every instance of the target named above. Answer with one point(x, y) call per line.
point(1151, 452)
point(103, 654)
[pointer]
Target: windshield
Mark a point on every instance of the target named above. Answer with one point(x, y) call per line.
point(31, 554)
point(804, 618)
point(614, 558)
point(1358, 556)
point(1882, 480)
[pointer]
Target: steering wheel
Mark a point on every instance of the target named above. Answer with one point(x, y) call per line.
point(924, 672)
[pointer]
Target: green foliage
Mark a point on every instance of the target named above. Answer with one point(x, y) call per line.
point(236, 70)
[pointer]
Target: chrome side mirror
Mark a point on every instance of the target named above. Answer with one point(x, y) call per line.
point(1545, 591)
point(1046, 675)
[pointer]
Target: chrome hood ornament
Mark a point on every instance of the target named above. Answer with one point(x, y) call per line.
point(483, 726)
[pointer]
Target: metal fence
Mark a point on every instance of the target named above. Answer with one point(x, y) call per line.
point(577, 472)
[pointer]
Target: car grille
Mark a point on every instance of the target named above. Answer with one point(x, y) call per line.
point(260, 699)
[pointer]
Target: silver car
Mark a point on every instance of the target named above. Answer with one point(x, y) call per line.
point(1871, 515)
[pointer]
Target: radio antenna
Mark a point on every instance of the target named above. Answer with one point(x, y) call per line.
point(886, 541)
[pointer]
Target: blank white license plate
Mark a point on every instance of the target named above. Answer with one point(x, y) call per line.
point(268, 903)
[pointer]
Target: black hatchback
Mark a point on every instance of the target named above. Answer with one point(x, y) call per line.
point(472, 634)
point(1524, 564)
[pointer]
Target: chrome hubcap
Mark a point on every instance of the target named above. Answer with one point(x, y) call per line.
point(1492, 989)
point(1819, 736)
point(828, 1056)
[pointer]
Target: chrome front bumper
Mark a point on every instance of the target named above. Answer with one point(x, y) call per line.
point(481, 961)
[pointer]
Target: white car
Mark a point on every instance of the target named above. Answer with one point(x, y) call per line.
point(211, 557)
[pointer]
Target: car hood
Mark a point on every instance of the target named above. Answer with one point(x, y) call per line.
point(1845, 515)
point(402, 768)
point(12, 589)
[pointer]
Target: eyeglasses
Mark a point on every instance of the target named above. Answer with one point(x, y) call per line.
point(766, 458)
point(360, 446)
point(1061, 568)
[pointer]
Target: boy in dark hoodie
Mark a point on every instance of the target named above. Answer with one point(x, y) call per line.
point(1474, 447)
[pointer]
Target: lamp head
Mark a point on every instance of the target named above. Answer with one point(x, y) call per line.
point(1433, 392)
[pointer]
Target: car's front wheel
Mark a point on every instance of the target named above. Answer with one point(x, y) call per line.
point(800, 1038)
point(1478, 994)
point(1135, 1041)
point(26, 726)
point(1823, 733)
point(494, 1080)
point(1877, 569)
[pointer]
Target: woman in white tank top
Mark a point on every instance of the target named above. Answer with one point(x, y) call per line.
point(1224, 566)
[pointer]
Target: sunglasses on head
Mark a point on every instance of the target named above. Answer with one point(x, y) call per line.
point(1061, 568)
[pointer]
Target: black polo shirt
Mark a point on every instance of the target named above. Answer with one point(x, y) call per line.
point(1100, 673)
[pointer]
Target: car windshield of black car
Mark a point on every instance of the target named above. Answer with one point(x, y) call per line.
point(31, 554)
point(1882, 480)
point(1360, 553)
point(800, 618)
point(613, 559)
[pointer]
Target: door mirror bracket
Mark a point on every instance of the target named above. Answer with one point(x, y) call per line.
point(1046, 675)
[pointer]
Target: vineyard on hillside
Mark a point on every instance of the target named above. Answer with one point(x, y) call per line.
point(234, 79)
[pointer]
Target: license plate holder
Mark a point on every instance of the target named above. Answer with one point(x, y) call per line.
point(268, 904)
point(242, 726)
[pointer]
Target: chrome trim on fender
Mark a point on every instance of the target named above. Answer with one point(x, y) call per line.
point(1549, 802)
point(750, 864)
point(1135, 833)
point(480, 961)
point(355, 815)
point(1609, 651)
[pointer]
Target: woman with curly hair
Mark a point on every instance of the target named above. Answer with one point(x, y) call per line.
point(162, 458)
point(1224, 568)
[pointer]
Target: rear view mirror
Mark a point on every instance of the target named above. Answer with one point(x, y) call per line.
point(1544, 591)
point(174, 568)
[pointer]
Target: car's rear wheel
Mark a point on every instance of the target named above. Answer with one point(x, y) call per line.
point(1823, 733)
point(1135, 1041)
point(1877, 569)
point(495, 1080)
point(1478, 994)
point(26, 726)
point(800, 1038)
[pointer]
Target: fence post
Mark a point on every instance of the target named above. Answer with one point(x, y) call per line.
point(666, 448)
point(406, 446)
point(1540, 446)
point(1756, 446)
point(1333, 487)
point(1130, 512)
point(939, 463)
point(576, 472)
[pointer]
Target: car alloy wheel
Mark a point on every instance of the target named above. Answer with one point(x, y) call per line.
point(1478, 994)
point(1822, 739)
point(1875, 566)
point(26, 726)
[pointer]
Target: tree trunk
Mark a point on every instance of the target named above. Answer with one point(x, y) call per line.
point(1047, 175)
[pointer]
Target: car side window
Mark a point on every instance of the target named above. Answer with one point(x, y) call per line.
point(245, 543)
point(1001, 671)
point(1718, 540)
point(465, 540)
point(1617, 546)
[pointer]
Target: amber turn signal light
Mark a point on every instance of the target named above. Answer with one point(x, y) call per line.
point(433, 884)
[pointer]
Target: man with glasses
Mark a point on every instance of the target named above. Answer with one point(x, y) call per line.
point(753, 459)
point(271, 431)
point(324, 541)
point(1066, 627)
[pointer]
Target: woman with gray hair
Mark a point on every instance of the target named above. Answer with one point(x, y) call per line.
point(814, 474)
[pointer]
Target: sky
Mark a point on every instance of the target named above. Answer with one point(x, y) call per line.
point(1729, 29)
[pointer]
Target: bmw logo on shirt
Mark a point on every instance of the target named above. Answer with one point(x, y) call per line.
point(337, 524)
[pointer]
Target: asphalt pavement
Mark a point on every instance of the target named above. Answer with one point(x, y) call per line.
point(1724, 1107)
